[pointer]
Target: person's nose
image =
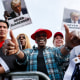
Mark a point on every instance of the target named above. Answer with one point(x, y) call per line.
point(1, 28)
point(17, 8)
point(21, 38)
point(41, 36)
point(59, 39)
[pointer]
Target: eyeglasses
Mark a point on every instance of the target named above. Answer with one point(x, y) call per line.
point(39, 35)
point(22, 37)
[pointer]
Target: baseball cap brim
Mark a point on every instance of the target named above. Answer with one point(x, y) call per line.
point(48, 32)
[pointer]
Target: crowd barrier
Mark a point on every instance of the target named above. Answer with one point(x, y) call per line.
point(31, 75)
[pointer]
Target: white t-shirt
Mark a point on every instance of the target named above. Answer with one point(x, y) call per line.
point(75, 52)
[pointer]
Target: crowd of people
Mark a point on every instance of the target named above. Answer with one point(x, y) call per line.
point(16, 57)
point(17, 54)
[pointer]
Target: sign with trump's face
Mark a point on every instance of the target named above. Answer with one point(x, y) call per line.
point(16, 13)
point(72, 19)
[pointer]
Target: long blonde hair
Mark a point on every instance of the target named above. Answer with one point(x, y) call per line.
point(27, 45)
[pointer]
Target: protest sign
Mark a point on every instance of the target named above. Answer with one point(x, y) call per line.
point(72, 19)
point(16, 13)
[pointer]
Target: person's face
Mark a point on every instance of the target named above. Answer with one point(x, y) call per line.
point(41, 39)
point(58, 41)
point(22, 40)
point(75, 18)
point(17, 8)
point(3, 30)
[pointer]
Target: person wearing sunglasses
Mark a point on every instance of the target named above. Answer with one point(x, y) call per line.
point(43, 58)
point(23, 41)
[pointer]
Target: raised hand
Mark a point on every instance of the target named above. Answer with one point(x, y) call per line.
point(72, 39)
point(6, 15)
point(10, 46)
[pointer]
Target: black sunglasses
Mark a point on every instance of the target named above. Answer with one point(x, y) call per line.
point(39, 35)
point(22, 37)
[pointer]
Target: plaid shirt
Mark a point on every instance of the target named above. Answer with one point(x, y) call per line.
point(52, 57)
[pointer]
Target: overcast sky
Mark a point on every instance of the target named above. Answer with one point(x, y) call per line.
point(46, 14)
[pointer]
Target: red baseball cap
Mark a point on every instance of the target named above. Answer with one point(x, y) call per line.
point(48, 32)
point(58, 33)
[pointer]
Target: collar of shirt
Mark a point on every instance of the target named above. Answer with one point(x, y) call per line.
point(18, 14)
point(1, 43)
point(73, 21)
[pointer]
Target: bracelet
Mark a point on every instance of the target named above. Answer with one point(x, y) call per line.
point(17, 52)
point(67, 48)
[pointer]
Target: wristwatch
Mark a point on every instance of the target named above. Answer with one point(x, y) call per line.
point(67, 48)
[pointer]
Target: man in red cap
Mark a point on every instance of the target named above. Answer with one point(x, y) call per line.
point(42, 58)
point(58, 39)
